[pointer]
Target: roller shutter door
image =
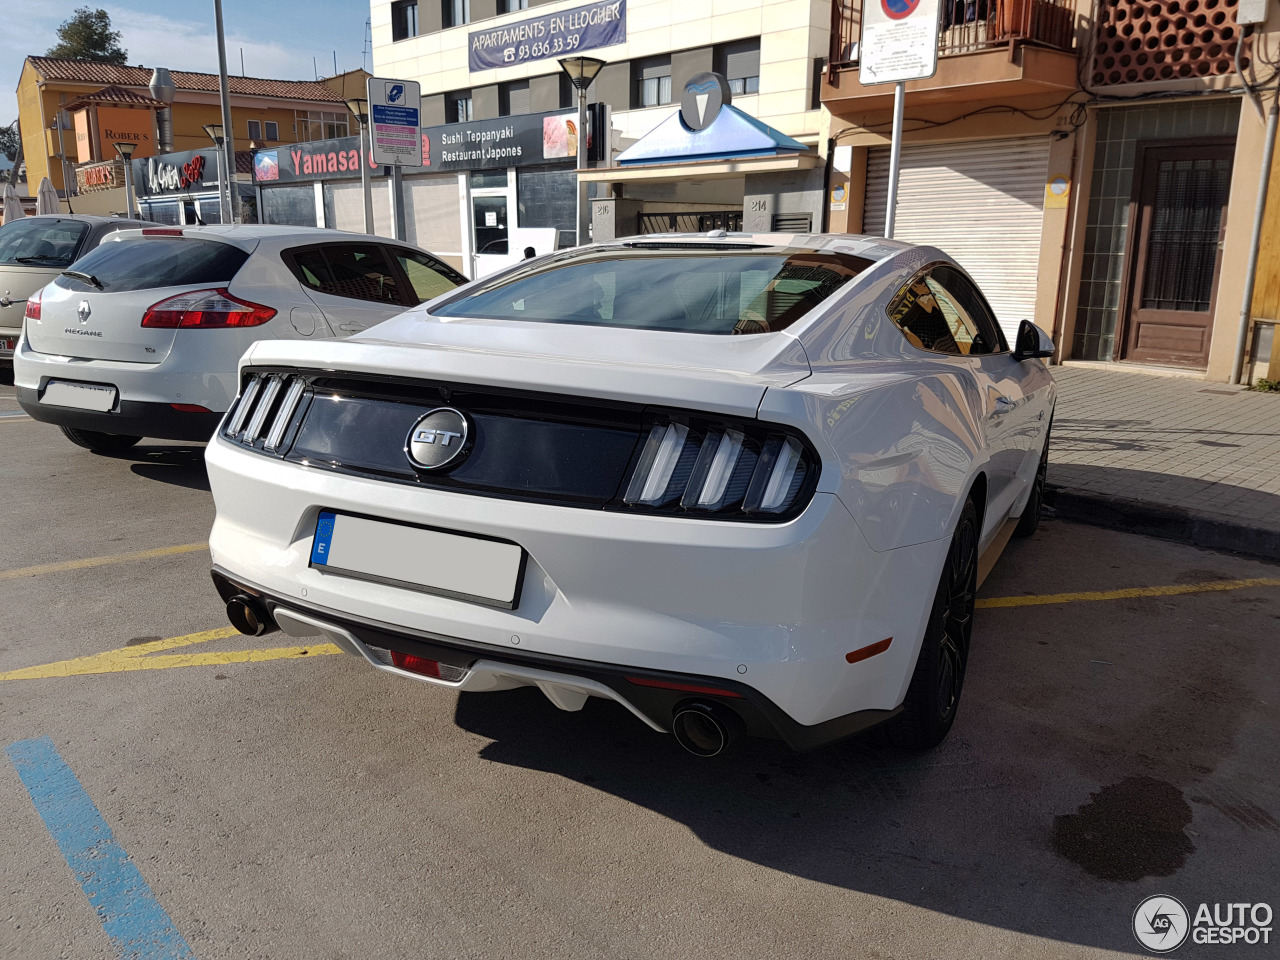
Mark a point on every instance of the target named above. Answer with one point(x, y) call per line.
point(982, 202)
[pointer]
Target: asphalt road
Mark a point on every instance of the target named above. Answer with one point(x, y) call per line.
point(300, 805)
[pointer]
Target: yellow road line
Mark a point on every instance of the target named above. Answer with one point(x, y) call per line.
point(1172, 590)
point(100, 561)
point(138, 657)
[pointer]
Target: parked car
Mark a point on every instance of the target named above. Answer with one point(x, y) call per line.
point(735, 483)
point(34, 250)
point(142, 337)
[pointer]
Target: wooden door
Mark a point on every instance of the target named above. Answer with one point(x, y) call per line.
point(1176, 225)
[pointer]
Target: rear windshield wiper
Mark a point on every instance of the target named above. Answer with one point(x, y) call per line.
point(81, 275)
point(45, 257)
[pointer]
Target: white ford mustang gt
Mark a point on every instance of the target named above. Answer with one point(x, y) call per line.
point(740, 484)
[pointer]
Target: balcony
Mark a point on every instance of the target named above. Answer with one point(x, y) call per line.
point(987, 49)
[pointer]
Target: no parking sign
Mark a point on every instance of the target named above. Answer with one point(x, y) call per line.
point(899, 40)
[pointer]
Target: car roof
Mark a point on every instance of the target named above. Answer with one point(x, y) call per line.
point(262, 231)
point(858, 245)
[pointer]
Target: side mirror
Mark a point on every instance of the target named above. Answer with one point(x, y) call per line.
point(1032, 342)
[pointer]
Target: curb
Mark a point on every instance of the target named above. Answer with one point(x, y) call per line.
point(1164, 522)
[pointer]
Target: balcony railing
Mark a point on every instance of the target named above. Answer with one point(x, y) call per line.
point(967, 26)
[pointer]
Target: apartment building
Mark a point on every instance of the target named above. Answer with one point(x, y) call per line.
point(1095, 166)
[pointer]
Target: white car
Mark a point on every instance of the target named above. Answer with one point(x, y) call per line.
point(34, 250)
point(142, 336)
point(736, 483)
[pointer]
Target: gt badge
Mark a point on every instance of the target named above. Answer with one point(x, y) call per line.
point(438, 439)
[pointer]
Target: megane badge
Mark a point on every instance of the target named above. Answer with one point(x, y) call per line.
point(83, 311)
point(438, 439)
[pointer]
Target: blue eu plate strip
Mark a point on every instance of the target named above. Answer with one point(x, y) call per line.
point(130, 914)
point(324, 538)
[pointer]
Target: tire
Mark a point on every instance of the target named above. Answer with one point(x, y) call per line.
point(1029, 522)
point(933, 696)
point(99, 442)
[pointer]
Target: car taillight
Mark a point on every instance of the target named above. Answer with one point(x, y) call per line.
point(162, 231)
point(721, 470)
point(33, 306)
point(206, 310)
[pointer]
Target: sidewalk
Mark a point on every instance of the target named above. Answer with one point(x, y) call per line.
point(1167, 456)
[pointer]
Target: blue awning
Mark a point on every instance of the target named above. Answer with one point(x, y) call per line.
point(732, 134)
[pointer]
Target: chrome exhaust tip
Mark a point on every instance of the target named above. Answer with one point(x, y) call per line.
point(249, 615)
point(704, 729)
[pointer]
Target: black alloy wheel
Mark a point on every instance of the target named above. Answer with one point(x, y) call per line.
point(934, 694)
point(99, 442)
point(1029, 522)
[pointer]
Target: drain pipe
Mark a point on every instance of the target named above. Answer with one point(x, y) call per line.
point(1246, 305)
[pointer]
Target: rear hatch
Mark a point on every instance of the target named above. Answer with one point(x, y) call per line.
point(33, 251)
point(95, 309)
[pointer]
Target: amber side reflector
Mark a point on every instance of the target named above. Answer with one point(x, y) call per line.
point(866, 653)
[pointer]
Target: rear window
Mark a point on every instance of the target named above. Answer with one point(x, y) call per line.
point(714, 290)
point(40, 241)
point(141, 264)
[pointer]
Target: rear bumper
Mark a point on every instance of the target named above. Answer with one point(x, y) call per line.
point(131, 418)
point(491, 669)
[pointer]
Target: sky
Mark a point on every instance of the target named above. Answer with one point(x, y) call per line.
point(279, 37)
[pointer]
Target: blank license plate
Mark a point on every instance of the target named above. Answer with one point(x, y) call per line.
point(448, 564)
point(83, 396)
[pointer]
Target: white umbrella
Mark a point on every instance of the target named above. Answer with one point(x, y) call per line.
point(46, 198)
point(12, 206)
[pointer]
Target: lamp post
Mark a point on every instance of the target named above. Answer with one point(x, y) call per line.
point(581, 71)
point(125, 150)
point(214, 130)
point(360, 107)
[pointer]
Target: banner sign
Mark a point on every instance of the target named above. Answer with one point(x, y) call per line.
point(394, 109)
point(558, 34)
point(899, 41)
point(192, 171)
point(520, 141)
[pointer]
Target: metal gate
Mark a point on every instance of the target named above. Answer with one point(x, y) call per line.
point(699, 222)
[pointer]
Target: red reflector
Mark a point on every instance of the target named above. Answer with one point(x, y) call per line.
point(682, 687)
point(190, 408)
point(161, 232)
point(407, 661)
point(33, 306)
point(865, 653)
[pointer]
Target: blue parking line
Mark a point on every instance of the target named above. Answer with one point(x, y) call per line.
point(131, 916)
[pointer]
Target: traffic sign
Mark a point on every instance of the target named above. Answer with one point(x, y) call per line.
point(899, 41)
point(394, 115)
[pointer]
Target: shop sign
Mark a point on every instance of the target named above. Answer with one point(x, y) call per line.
point(98, 176)
point(84, 149)
point(117, 125)
point(559, 34)
point(173, 172)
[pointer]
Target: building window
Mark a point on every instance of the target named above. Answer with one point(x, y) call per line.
point(511, 6)
point(652, 84)
point(819, 71)
point(319, 125)
point(513, 98)
point(455, 12)
point(273, 130)
point(404, 19)
point(458, 107)
point(568, 95)
point(740, 64)
point(255, 129)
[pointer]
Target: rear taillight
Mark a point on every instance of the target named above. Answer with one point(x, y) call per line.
point(721, 470)
point(162, 231)
point(33, 306)
point(206, 310)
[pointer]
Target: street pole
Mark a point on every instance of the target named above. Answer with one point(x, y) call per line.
point(1255, 241)
point(583, 207)
point(224, 198)
point(128, 188)
point(366, 154)
point(895, 157)
point(397, 203)
point(227, 147)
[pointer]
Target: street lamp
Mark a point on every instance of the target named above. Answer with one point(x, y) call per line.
point(360, 107)
point(581, 71)
point(214, 130)
point(125, 150)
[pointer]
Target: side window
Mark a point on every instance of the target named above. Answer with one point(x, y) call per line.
point(427, 277)
point(931, 318)
point(969, 297)
point(359, 271)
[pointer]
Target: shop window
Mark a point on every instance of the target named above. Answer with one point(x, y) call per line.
point(511, 6)
point(272, 130)
point(513, 98)
point(547, 197)
point(455, 13)
point(458, 107)
point(486, 179)
point(651, 81)
point(740, 64)
point(404, 19)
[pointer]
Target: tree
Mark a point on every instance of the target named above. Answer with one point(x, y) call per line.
point(88, 36)
point(9, 140)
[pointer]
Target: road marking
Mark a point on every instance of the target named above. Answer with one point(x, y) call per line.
point(1127, 593)
point(125, 659)
point(130, 914)
point(100, 561)
point(14, 415)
